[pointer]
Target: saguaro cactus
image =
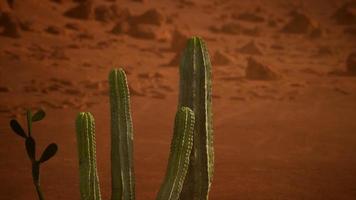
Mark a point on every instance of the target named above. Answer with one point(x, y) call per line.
point(123, 186)
point(89, 180)
point(195, 93)
point(190, 166)
point(178, 162)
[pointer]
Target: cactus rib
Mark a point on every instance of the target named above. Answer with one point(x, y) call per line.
point(123, 187)
point(195, 93)
point(178, 162)
point(89, 181)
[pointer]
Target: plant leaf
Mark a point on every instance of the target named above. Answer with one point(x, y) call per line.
point(31, 148)
point(39, 115)
point(16, 127)
point(49, 152)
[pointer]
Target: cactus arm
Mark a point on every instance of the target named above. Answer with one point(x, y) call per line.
point(89, 181)
point(123, 187)
point(195, 93)
point(178, 162)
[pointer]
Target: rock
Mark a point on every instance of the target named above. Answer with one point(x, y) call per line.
point(58, 54)
point(73, 91)
point(122, 24)
point(179, 40)
point(351, 64)
point(81, 1)
point(277, 47)
point(135, 92)
point(235, 28)
point(84, 10)
point(301, 24)
point(4, 7)
point(221, 58)
point(175, 60)
point(61, 1)
point(140, 1)
point(73, 26)
point(255, 31)
point(152, 16)
point(27, 25)
point(231, 28)
point(11, 3)
point(248, 16)
point(121, 27)
point(145, 26)
point(10, 24)
point(105, 13)
point(346, 14)
point(55, 30)
point(4, 89)
point(350, 31)
point(144, 31)
point(121, 14)
point(250, 48)
point(324, 51)
point(258, 71)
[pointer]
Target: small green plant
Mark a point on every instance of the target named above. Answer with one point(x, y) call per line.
point(191, 160)
point(30, 145)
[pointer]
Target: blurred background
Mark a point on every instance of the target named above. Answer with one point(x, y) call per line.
point(284, 91)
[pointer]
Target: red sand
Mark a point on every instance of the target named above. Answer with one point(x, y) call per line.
point(289, 138)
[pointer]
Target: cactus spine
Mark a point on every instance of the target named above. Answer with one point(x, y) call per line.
point(178, 162)
point(89, 181)
point(123, 186)
point(195, 93)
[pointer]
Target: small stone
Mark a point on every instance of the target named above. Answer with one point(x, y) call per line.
point(10, 24)
point(4, 89)
point(143, 31)
point(248, 16)
point(221, 58)
point(300, 23)
point(350, 30)
point(351, 63)
point(178, 40)
point(175, 61)
point(73, 26)
point(258, 71)
point(346, 14)
point(104, 13)
point(152, 16)
point(250, 48)
point(54, 30)
point(121, 27)
point(73, 92)
point(231, 28)
point(84, 10)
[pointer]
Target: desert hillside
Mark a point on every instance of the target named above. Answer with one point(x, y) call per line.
point(284, 91)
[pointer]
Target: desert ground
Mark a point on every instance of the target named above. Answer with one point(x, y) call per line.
point(284, 91)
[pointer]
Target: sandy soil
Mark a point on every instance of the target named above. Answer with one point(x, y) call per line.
point(284, 89)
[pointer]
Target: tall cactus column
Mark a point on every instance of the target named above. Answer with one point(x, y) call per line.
point(122, 171)
point(89, 181)
point(195, 93)
point(178, 163)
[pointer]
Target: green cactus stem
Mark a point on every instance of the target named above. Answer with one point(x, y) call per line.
point(178, 162)
point(89, 180)
point(122, 171)
point(195, 93)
